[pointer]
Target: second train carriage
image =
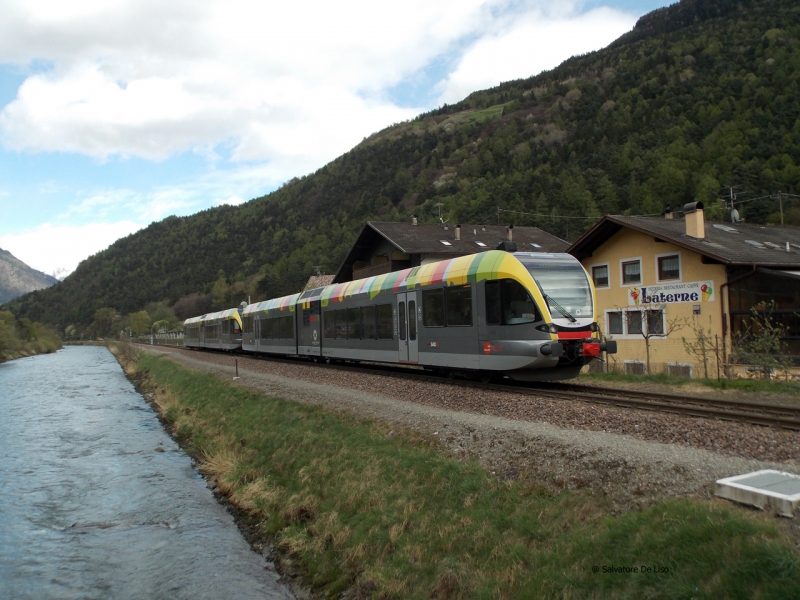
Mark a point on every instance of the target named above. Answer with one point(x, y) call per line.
point(220, 330)
point(528, 315)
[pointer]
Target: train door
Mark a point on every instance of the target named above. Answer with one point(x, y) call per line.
point(407, 324)
point(310, 332)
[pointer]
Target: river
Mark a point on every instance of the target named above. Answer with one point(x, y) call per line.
point(97, 501)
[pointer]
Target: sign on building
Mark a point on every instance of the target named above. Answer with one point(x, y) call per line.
point(672, 293)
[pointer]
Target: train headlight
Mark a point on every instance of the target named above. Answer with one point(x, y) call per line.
point(552, 328)
point(593, 327)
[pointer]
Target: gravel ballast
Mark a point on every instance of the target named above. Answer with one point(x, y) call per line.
point(626, 457)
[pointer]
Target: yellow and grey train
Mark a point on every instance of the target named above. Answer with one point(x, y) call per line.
point(528, 316)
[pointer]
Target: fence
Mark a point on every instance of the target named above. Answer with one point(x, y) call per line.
point(160, 339)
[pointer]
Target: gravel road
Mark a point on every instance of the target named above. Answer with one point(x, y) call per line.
point(626, 458)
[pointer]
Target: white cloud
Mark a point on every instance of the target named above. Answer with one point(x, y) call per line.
point(298, 83)
point(526, 46)
point(50, 247)
point(280, 88)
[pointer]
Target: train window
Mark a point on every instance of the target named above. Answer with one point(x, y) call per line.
point(235, 327)
point(401, 311)
point(433, 308)
point(329, 323)
point(341, 324)
point(306, 317)
point(288, 328)
point(353, 323)
point(509, 303)
point(384, 321)
point(368, 322)
point(264, 328)
point(518, 307)
point(247, 324)
point(412, 320)
point(459, 306)
point(494, 306)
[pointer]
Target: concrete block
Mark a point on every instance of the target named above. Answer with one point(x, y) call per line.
point(762, 489)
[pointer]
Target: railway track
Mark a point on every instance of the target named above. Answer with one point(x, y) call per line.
point(754, 413)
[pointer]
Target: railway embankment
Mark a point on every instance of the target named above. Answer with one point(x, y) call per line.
point(403, 489)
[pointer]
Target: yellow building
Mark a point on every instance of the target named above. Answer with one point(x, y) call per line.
point(663, 283)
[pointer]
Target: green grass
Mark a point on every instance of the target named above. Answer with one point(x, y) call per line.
point(390, 514)
point(746, 385)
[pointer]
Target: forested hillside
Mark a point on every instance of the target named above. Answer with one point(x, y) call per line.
point(699, 97)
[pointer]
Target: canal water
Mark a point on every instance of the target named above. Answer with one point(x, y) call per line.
point(97, 501)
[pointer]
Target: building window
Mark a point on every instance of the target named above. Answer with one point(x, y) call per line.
point(655, 322)
point(631, 272)
point(669, 267)
point(615, 323)
point(635, 322)
point(600, 276)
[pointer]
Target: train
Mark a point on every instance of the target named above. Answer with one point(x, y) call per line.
point(529, 316)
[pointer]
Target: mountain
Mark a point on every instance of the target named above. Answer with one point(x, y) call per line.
point(697, 102)
point(17, 278)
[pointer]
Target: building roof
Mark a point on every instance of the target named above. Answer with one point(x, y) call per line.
point(317, 281)
point(428, 239)
point(726, 243)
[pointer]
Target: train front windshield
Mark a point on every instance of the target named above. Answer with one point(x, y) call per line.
point(563, 281)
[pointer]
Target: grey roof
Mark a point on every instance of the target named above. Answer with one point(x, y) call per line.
point(726, 243)
point(426, 238)
point(317, 281)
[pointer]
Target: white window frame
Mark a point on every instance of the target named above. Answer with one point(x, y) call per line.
point(591, 274)
point(636, 336)
point(680, 268)
point(622, 271)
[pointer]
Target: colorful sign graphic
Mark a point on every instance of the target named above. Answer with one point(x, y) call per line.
point(672, 293)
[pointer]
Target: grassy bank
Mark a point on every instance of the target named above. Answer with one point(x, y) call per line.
point(774, 386)
point(390, 516)
point(20, 337)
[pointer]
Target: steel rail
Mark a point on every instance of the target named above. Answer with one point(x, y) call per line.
point(754, 413)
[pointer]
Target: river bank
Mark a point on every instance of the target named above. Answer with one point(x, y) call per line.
point(20, 338)
point(367, 509)
point(30, 349)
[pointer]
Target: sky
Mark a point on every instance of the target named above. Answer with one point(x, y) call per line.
point(117, 113)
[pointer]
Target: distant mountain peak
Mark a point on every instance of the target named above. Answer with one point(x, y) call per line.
point(60, 273)
point(17, 278)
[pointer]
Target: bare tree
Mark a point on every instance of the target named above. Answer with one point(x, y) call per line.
point(703, 347)
point(759, 344)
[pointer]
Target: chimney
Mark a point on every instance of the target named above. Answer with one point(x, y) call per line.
point(695, 223)
point(413, 219)
point(667, 213)
point(510, 230)
point(458, 232)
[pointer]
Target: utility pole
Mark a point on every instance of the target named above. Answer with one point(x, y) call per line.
point(780, 202)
